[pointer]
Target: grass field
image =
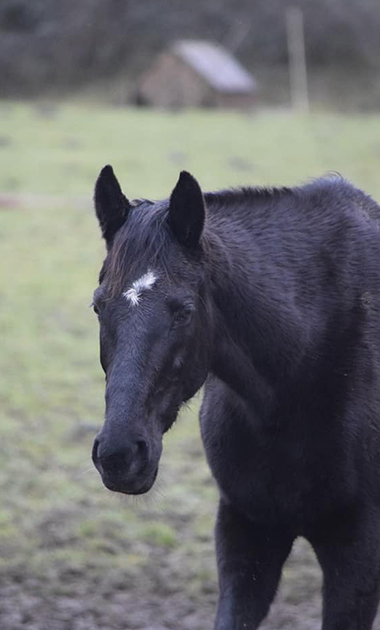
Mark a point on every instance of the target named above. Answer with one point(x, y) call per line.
point(72, 555)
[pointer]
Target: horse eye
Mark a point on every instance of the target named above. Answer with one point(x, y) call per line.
point(95, 308)
point(183, 316)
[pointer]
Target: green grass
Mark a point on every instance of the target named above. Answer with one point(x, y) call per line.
point(62, 150)
point(60, 532)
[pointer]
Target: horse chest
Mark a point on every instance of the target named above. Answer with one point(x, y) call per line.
point(286, 471)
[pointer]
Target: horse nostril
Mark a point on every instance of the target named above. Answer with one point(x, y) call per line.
point(142, 451)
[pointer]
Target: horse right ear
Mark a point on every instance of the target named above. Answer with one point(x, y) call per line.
point(111, 206)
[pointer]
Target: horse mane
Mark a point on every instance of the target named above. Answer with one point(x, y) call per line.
point(244, 194)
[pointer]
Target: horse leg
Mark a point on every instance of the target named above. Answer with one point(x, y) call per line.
point(250, 559)
point(350, 560)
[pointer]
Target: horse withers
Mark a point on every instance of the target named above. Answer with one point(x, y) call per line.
point(271, 299)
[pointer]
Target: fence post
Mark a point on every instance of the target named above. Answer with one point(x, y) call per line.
point(297, 59)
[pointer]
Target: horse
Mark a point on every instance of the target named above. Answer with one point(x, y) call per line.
point(269, 298)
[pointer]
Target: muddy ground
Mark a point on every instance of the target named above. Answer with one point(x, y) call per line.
point(156, 602)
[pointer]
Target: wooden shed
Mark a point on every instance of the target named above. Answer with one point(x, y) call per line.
point(195, 73)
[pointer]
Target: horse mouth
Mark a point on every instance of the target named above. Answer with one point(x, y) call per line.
point(128, 486)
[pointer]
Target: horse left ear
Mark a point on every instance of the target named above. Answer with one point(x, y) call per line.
point(111, 205)
point(187, 210)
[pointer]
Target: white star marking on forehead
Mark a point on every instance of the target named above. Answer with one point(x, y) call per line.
point(144, 283)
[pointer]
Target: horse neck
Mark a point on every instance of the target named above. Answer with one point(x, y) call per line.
point(256, 342)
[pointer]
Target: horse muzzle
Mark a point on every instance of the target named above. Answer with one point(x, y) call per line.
point(128, 467)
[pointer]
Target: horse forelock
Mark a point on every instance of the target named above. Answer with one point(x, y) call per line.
point(142, 242)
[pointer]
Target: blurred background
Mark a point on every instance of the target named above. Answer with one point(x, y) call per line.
point(239, 92)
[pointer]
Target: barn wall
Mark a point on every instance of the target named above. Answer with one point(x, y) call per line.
point(171, 83)
point(235, 101)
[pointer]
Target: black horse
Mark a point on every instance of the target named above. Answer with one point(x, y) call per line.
point(271, 298)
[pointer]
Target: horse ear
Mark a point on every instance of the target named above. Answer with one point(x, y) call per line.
point(111, 205)
point(187, 210)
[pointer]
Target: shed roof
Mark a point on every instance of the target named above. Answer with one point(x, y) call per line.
point(215, 64)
